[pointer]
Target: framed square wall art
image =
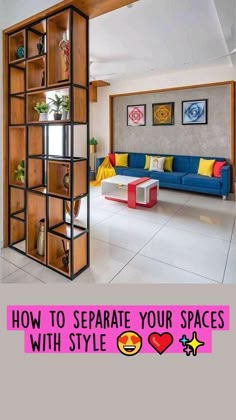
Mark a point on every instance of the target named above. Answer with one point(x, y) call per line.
point(136, 115)
point(194, 112)
point(163, 113)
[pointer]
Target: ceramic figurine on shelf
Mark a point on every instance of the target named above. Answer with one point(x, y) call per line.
point(66, 181)
point(76, 208)
point(41, 238)
point(65, 258)
point(65, 48)
point(40, 46)
point(20, 52)
point(43, 79)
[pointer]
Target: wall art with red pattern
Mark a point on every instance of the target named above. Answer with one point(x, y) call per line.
point(136, 115)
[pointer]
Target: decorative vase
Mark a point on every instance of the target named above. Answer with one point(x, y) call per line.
point(57, 116)
point(41, 238)
point(40, 46)
point(65, 258)
point(66, 181)
point(64, 45)
point(93, 148)
point(65, 114)
point(76, 207)
point(20, 52)
point(43, 116)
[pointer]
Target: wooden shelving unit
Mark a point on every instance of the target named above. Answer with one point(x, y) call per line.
point(46, 58)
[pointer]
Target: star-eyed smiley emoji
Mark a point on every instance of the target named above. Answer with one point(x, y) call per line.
point(129, 343)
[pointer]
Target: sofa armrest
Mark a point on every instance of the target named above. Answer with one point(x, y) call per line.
point(225, 176)
point(99, 162)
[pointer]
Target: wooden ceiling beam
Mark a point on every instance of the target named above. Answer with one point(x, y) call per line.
point(91, 8)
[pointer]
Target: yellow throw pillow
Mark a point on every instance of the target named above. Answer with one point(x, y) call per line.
point(147, 162)
point(168, 165)
point(121, 159)
point(205, 167)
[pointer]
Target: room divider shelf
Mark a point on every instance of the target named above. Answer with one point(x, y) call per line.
point(49, 58)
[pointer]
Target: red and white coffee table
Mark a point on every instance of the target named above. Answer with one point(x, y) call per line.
point(131, 190)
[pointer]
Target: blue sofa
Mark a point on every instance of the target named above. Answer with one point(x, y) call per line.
point(184, 175)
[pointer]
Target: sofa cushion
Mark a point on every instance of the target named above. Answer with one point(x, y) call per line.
point(205, 167)
point(121, 159)
point(171, 177)
point(217, 168)
point(168, 165)
point(112, 158)
point(157, 164)
point(202, 181)
point(147, 162)
point(138, 172)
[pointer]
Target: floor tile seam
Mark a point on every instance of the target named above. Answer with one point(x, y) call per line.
point(14, 272)
point(37, 278)
point(2, 278)
point(109, 243)
point(106, 218)
point(122, 268)
point(5, 259)
point(144, 219)
point(187, 206)
point(233, 229)
point(175, 213)
point(226, 262)
point(182, 269)
point(137, 253)
point(117, 246)
point(198, 233)
point(156, 233)
point(100, 221)
point(216, 210)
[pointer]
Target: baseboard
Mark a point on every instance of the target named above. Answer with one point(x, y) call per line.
point(1, 244)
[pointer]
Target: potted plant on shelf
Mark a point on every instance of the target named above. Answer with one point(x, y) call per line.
point(93, 145)
point(42, 109)
point(56, 104)
point(20, 172)
point(65, 106)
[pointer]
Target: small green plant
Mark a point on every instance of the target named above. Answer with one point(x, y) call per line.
point(41, 107)
point(65, 103)
point(93, 141)
point(56, 104)
point(20, 172)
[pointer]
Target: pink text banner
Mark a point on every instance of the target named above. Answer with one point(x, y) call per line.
point(118, 329)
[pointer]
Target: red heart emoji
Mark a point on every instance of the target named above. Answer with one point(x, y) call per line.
point(160, 342)
point(123, 339)
point(135, 339)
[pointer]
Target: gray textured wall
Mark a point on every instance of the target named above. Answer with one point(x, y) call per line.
point(212, 139)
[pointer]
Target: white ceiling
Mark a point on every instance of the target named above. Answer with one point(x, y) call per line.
point(157, 36)
point(154, 36)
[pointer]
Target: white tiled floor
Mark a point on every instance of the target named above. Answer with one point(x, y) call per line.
point(186, 238)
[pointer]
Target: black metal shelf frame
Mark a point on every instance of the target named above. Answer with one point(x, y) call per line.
point(67, 157)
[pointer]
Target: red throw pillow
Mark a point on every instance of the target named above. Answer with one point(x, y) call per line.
point(217, 169)
point(112, 158)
